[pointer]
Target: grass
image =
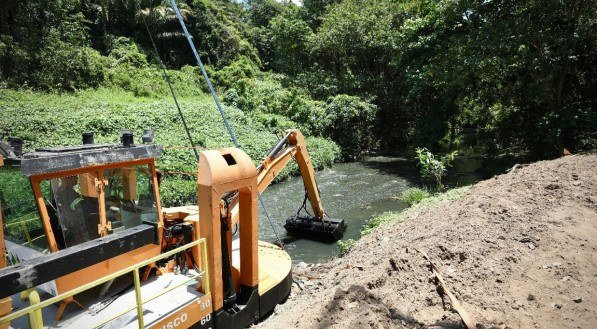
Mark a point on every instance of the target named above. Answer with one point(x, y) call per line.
point(414, 195)
point(51, 119)
point(431, 201)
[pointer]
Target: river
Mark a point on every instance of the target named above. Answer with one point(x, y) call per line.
point(355, 192)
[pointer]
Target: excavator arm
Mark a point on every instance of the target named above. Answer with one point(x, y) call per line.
point(293, 146)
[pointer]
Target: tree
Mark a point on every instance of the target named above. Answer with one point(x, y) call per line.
point(262, 11)
point(350, 122)
point(289, 37)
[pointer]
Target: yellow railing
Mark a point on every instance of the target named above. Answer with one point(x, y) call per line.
point(23, 224)
point(34, 310)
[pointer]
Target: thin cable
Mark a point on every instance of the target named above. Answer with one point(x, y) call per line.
point(270, 221)
point(211, 88)
point(219, 106)
point(167, 78)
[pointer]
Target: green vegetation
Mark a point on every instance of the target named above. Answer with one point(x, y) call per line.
point(505, 77)
point(60, 119)
point(414, 195)
point(431, 201)
point(520, 75)
point(350, 122)
point(434, 168)
point(346, 245)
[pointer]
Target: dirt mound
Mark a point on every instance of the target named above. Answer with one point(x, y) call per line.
point(518, 251)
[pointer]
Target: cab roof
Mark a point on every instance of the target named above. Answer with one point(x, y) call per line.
point(51, 160)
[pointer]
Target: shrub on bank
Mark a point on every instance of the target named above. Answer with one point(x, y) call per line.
point(349, 121)
point(414, 195)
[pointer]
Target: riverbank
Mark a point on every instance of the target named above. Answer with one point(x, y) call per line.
point(517, 250)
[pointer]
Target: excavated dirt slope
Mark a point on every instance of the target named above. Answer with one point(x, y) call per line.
point(518, 251)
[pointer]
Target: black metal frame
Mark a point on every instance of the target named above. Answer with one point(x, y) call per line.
point(31, 273)
point(50, 160)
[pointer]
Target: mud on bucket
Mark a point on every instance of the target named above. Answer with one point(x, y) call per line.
point(313, 228)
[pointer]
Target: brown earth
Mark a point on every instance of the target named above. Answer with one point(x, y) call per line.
point(518, 251)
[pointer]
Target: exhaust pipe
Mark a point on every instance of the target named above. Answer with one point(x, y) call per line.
point(127, 138)
point(88, 138)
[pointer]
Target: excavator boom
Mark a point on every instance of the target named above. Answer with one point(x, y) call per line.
point(293, 146)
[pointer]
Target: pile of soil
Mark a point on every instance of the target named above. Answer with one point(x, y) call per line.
point(518, 250)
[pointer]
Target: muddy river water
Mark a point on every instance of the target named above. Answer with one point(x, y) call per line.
point(355, 192)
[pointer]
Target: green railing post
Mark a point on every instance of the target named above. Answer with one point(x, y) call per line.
point(35, 319)
point(26, 231)
point(139, 300)
point(205, 277)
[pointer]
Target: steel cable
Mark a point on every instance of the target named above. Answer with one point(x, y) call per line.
point(167, 78)
point(219, 106)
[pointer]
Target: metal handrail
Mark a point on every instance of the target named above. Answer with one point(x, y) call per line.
point(34, 310)
point(21, 221)
point(150, 299)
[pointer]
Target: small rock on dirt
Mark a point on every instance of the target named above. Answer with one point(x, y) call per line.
point(553, 186)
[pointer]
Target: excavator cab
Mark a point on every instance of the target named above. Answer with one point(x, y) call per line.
point(99, 212)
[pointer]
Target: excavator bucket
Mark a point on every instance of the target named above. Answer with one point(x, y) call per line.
point(310, 227)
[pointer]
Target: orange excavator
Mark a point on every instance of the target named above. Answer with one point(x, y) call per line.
point(107, 255)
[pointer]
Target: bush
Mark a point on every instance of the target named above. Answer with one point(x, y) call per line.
point(266, 94)
point(228, 76)
point(323, 152)
point(432, 168)
point(309, 114)
point(149, 81)
point(126, 52)
point(14, 187)
point(571, 127)
point(175, 191)
point(67, 67)
point(350, 121)
point(414, 195)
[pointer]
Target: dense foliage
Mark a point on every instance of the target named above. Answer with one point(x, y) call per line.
point(55, 120)
point(519, 75)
